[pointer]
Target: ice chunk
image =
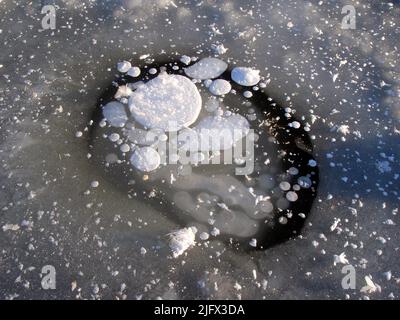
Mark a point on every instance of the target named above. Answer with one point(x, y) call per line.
point(115, 114)
point(185, 59)
point(207, 68)
point(245, 76)
point(123, 91)
point(220, 87)
point(145, 159)
point(181, 240)
point(168, 102)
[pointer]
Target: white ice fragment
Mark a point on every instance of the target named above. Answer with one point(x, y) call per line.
point(312, 163)
point(115, 114)
point(388, 275)
point(78, 134)
point(245, 76)
point(11, 227)
point(181, 240)
point(133, 72)
point(335, 77)
point(145, 159)
point(204, 236)
point(185, 60)
point(335, 224)
point(237, 286)
point(123, 91)
point(114, 137)
point(284, 185)
point(371, 287)
point(123, 66)
point(220, 87)
point(94, 184)
point(219, 49)
point(153, 71)
point(168, 102)
point(343, 129)
point(247, 94)
point(207, 68)
point(124, 147)
point(253, 242)
point(341, 258)
point(292, 196)
point(215, 232)
point(295, 124)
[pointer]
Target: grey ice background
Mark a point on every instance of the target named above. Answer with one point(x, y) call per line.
point(96, 239)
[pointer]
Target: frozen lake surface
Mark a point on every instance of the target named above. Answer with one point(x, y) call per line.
point(59, 209)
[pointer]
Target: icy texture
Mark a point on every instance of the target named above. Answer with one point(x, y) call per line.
point(181, 240)
point(228, 129)
point(123, 66)
point(168, 102)
point(115, 114)
point(207, 68)
point(220, 87)
point(145, 159)
point(245, 76)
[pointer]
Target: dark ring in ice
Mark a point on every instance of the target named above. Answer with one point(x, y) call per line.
point(294, 145)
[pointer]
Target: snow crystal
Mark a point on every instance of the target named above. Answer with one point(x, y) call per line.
point(145, 159)
point(220, 87)
point(168, 102)
point(207, 68)
point(181, 240)
point(245, 76)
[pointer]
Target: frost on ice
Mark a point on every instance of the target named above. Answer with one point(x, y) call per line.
point(207, 68)
point(245, 76)
point(168, 102)
point(181, 240)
